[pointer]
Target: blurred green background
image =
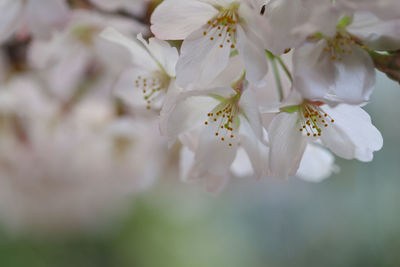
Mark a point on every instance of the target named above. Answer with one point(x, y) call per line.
point(351, 219)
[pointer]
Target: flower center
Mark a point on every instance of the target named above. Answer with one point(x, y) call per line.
point(224, 117)
point(313, 119)
point(153, 88)
point(222, 28)
point(339, 46)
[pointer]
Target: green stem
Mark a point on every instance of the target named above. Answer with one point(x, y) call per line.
point(272, 58)
point(285, 68)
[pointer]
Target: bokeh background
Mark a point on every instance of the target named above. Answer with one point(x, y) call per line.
point(351, 219)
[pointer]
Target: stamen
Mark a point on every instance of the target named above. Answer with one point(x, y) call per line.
point(313, 119)
point(224, 118)
point(339, 46)
point(222, 27)
point(153, 89)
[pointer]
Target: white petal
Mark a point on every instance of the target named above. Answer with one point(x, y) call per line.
point(177, 19)
point(11, 11)
point(257, 152)
point(170, 101)
point(45, 15)
point(186, 160)
point(140, 56)
point(163, 53)
point(241, 166)
point(126, 90)
point(189, 113)
point(213, 156)
point(354, 76)
point(279, 20)
point(253, 55)
point(349, 78)
point(213, 170)
point(317, 164)
point(352, 135)
point(313, 70)
point(375, 33)
point(287, 145)
point(248, 105)
point(136, 7)
point(201, 61)
point(385, 9)
point(230, 74)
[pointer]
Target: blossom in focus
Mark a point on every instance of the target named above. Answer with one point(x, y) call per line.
point(331, 41)
point(345, 129)
point(339, 65)
point(218, 122)
point(211, 31)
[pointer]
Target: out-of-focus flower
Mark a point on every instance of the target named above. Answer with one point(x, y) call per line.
point(135, 7)
point(385, 9)
point(37, 17)
point(151, 80)
point(70, 171)
point(211, 30)
point(77, 60)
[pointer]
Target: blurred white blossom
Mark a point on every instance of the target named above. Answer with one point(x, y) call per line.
point(37, 17)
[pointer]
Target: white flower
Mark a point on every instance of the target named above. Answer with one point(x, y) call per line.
point(374, 32)
point(152, 76)
point(385, 9)
point(211, 30)
point(77, 58)
point(70, 171)
point(40, 17)
point(317, 164)
point(332, 41)
point(218, 122)
point(346, 130)
point(136, 7)
point(336, 67)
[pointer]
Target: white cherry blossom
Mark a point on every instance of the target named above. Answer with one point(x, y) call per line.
point(385, 9)
point(211, 31)
point(331, 42)
point(136, 7)
point(38, 17)
point(76, 55)
point(218, 122)
point(346, 130)
point(152, 75)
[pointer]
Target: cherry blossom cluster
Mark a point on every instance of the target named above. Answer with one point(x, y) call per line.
point(101, 98)
point(262, 88)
